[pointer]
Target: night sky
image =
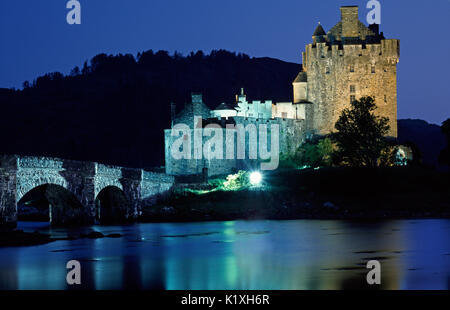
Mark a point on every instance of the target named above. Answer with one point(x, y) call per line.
point(35, 38)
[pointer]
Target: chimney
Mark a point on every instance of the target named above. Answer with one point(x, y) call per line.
point(349, 19)
point(375, 28)
point(197, 101)
point(196, 98)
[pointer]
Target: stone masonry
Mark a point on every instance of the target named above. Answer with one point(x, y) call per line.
point(349, 62)
point(85, 180)
point(340, 66)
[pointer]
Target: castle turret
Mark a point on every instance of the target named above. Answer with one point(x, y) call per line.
point(319, 34)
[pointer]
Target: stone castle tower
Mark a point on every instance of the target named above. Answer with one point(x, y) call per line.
point(348, 62)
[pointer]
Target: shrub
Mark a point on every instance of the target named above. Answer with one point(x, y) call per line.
point(237, 181)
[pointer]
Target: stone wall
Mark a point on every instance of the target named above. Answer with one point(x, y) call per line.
point(8, 207)
point(334, 75)
point(350, 62)
point(83, 180)
point(291, 136)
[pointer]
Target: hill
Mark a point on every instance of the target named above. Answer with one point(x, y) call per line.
point(114, 109)
point(428, 137)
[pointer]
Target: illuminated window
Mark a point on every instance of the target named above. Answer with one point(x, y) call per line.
point(352, 98)
point(352, 88)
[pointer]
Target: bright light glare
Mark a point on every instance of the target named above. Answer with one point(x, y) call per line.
point(255, 178)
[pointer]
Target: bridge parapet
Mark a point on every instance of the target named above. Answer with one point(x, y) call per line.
point(29, 162)
point(111, 171)
point(85, 180)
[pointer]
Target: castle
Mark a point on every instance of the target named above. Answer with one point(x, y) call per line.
point(346, 63)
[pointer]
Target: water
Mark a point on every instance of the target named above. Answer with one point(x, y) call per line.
point(414, 254)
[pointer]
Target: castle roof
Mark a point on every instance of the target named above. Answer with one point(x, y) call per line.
point(302, 77)
point(319, 31)
point(195, 108)
point(223, 106)
point(364, 32)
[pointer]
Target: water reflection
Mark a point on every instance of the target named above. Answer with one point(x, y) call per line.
point(238, 255)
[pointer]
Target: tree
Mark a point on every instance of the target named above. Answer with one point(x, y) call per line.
point(444, 156)
point(75, 71)
point(360, 136)
point(417, 157)
point(313, 153)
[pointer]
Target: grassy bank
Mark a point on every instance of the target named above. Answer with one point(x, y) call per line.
point(332, 193)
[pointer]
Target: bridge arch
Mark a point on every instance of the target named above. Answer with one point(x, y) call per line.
point(26, 181)
point(112, 206)
point(54, 203)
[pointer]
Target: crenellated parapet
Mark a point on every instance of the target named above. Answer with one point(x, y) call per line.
point(344, 64)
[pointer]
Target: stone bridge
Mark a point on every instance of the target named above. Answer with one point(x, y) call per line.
point(77, 192)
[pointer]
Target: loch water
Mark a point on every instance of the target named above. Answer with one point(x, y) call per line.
point(269, 255)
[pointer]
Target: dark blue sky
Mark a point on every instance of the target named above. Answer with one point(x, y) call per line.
point(35, 38)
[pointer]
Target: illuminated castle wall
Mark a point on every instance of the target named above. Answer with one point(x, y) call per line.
point(346, 63)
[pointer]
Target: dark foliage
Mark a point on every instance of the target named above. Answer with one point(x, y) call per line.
point(360, 136)
point(114, 109)
point(428, 138)
point(444, 156)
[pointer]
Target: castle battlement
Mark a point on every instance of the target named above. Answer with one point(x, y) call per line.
point(348, 62)
point(386, 48)
point(344, 64)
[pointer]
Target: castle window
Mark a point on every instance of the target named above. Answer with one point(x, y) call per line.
point(250, 114)
point(352, 88)
point(352, 68)
point(327, 70)
point(260, 115)
point(385, 98)
point(373, 69)
point(352, 98)
point(284, 115)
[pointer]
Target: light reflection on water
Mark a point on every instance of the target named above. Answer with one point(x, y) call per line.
point(414, 254)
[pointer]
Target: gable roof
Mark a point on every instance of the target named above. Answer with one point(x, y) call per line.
point(301, 77)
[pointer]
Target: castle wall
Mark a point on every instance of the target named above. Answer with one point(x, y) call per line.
point(254, 109)
point(192, 165)
point(300, 92)
point(291, 136)
point(335, 74)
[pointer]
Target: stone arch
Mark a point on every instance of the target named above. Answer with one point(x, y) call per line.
point(63, 207)
point(112, 206)
point(28, 180)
